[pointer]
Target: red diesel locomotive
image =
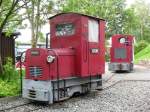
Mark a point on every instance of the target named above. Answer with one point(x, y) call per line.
point(121, 53)
point(74, 63)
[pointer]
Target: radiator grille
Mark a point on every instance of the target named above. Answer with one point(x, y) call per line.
point(36, 71)
point(120, 53)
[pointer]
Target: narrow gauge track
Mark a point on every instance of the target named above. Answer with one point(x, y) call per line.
point(116, 81)
point(121, 81)
point(30, 103)
point(112, 78)
point(13, 107)
point(25, 105)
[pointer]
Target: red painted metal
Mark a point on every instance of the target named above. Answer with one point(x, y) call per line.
point(73, 56)
point(128, 45)
point(62, 66)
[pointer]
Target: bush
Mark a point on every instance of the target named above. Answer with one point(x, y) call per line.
point(9, 73)
point(9, 88)
point(10, 80)
point(140, 46)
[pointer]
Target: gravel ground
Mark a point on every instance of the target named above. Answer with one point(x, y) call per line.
point(7, 103)
point(125, 96)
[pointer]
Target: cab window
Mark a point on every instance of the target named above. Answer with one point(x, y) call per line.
point(66, 29)
point(93, 30)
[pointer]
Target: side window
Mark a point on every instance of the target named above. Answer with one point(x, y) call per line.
point(66, 29)
point(93, 30)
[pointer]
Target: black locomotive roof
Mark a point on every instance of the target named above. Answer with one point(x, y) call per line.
point(77, 14)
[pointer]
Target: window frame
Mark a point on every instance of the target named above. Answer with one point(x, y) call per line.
point(65, 35)
point(92, 31)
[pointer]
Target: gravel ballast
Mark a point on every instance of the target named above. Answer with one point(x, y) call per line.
point(128, 96)
point(123, 96)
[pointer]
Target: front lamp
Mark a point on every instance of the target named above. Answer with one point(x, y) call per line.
point(50, 59)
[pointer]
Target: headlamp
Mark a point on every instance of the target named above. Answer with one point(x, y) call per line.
point(50, 59)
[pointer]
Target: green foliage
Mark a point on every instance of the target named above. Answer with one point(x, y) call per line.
point(107, 52)
point(9, 88)
point(143, 54)
point(132, 20)
point(10, 18)
point(9, 73)
point(41, 37)
point(107, 57)
point(37, 13)
point(10, 83)
point(140, 46)
point(112, 11)
point(131, 23)
point(142, 11)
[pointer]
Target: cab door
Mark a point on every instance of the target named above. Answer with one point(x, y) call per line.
point(93, 47)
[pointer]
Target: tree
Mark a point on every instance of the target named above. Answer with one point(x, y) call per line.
point(134, 20)
point(142, 11)
point(9, 18)
point(37, 12)
point(131, 23)
point(110, 10)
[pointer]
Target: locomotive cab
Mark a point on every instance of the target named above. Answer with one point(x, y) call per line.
point(121, 53)
point(74, 63)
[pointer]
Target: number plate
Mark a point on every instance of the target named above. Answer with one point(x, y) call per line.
point(95, 50)
point(35, 53)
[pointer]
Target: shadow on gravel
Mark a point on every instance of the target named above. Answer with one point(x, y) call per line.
point(124, 72)
point(75, 98)
point(39, 103)
point(63, 104)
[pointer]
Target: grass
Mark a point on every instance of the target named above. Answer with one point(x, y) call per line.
point(143, 54)
point(9, 80)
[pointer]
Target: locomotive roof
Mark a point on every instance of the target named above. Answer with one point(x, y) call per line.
point(77, 14)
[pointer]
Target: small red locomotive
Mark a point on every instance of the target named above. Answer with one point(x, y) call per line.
point(74, 63)
point(121, 53)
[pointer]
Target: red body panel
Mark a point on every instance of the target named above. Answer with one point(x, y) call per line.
point(128, 45)
point(85, 62)
point(37, 61)
point(73, 53)
point(62, 66)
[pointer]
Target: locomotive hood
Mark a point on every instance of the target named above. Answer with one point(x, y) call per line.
point(45, 64)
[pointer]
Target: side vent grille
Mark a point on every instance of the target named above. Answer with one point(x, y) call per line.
point(32, 93)
point(35, 71)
